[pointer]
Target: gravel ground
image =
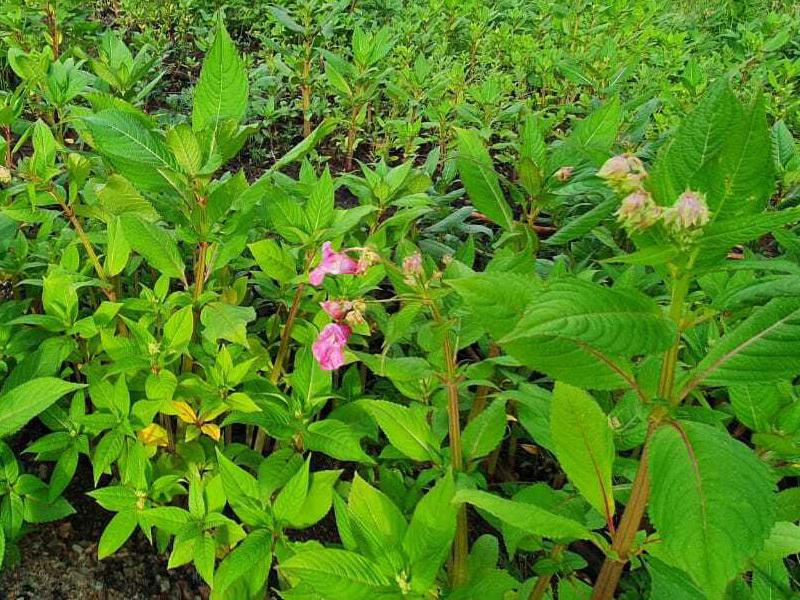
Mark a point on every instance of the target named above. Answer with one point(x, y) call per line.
point(58, 564)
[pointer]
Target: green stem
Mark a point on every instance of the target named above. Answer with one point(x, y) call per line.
point(680, 288)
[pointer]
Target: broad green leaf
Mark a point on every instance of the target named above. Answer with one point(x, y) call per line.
point(336, 439)
point(222, 90)
point(527, 517)
point(614, 321)
point(669, 583)
point(584, 445)
point(116, 533)
point(137, 152)
point(407, 430)
point(289, 502)
point(580, 226)
point(756, 405)
point(430, 533)
point(24, 402)
point(185, 148)
point(154, 244)
point(497, 300)
point(251, 558)
point(485, 432)
point(318, 501)
point(688, 159)
point(118, 250)
point(377, 524)
point(783, 541)
point(584, 333)
point(712, 502)
point(591, 139)
point(745, 174)
point(178, 329)
point(480, 180)
point(764, 348)
point(274, 260)
point(226, 321)
point(339, 575)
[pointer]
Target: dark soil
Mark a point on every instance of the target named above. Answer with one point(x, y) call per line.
point(59, 564)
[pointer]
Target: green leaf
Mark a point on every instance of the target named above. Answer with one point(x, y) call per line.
point(783, 541)
point(583, 224)
point(429, 535)
point(712, 503)
point(116, 533)
point(318, 501)
point(407, 430)
point(480, 180)
point(336, 439)
point(591, 138)
point(273, 260)
point(251, 558)
point(615, 321)
point(226, 321)
point(309, 143)
point(765, 348)
point(20, 404)
point(756, 405)
point(584, 333)
point(222, 90)
point(339, 575)
point(497, 300)
point(154, 244)
point(584, 445)
point(178, 329)
point(319, 208)
point(289, 502)
point(689, 158)
point(137, 152)
point(185, 148)
point(527, 517)
point(745, 175)
point(118, 250)
point(377, 524)
point(484, 433)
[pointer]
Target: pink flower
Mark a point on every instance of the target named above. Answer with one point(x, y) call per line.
point(690, 210)
point(333, 263)
point(329, 346)
point(412, 265)
point(336, 309)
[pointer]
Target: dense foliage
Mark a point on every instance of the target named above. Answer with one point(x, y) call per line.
point(438, 299)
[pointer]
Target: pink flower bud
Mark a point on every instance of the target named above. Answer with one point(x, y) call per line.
point(336, 309)
point(689, 211)
point(638, 211)
point(333, 263)
point(329, 346)
point(564, 174)
point(624, 172)
point(412, 265)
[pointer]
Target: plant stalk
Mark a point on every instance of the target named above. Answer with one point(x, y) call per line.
point(280, 358)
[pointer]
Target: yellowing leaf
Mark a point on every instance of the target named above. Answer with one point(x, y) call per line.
point(185, 412)
point(211, 430)
point(153, 435)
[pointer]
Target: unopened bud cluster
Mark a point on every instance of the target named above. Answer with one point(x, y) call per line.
point(638, 211)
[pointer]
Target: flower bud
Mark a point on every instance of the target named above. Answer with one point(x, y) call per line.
point(5, 175)
point(624, 172)
point(638, 210)
point(564, 174)
point(412, 267)
point(336, 309)
point(690, 211)
point(367, 259)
